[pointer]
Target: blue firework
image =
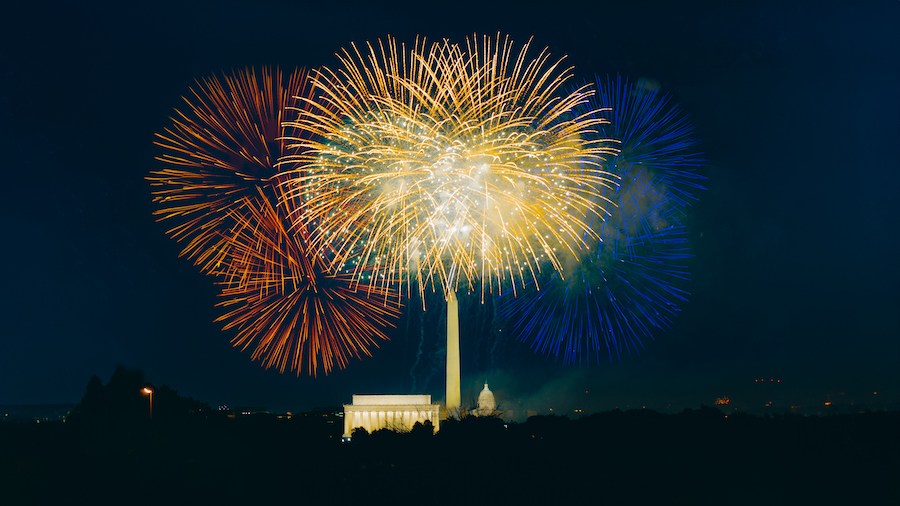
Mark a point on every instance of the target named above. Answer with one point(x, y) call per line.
point(630, 283)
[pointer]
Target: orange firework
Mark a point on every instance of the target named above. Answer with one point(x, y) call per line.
point(294, 313)
point(219, 185)
point(219, 153)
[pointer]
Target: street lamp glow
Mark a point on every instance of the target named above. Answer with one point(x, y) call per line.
point(149, 391)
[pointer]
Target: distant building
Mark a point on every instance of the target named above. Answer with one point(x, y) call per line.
point(395, 412)
point(487, 406)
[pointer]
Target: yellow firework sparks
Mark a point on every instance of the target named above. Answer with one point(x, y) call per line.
point(447, 163)
point(293, 313)
point(219, 152)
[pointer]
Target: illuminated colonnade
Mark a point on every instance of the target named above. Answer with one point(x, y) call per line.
point(396, 412)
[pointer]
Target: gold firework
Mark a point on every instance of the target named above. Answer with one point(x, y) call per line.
point(447, 164)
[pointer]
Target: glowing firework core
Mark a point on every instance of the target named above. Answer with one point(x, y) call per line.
point(449, 163)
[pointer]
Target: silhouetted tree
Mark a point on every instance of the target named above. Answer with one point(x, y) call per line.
point(123, 403)
point(91, 404)
point(359, 435)
point(168, 406)
point(119, 402)
point(422, 430)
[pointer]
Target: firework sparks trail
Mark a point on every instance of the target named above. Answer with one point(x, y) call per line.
point(220, 184)
point(221, 151)
point(283, 303)
point(454, 166)
point(631, 282)
point(655, 135)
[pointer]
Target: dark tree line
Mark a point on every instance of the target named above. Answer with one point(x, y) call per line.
point(123, 402)
point(109, 453)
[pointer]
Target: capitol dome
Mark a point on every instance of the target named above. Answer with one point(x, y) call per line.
point(486, 404)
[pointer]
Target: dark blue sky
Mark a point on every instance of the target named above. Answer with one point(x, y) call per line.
point(796, 239)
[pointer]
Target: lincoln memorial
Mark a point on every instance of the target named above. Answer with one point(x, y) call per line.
point(395, 412)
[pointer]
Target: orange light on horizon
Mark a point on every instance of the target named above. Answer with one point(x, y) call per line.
point(828, 403)
point(149, 391)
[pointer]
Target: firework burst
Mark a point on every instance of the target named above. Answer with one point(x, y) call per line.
point(454, 166)
point(286, 307)
point(220, 184)
point(631, 281)
point(220, 153)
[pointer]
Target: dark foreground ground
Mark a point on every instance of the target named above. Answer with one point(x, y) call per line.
point(635, 457)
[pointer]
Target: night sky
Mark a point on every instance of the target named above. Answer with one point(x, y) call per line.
point(795, 271)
